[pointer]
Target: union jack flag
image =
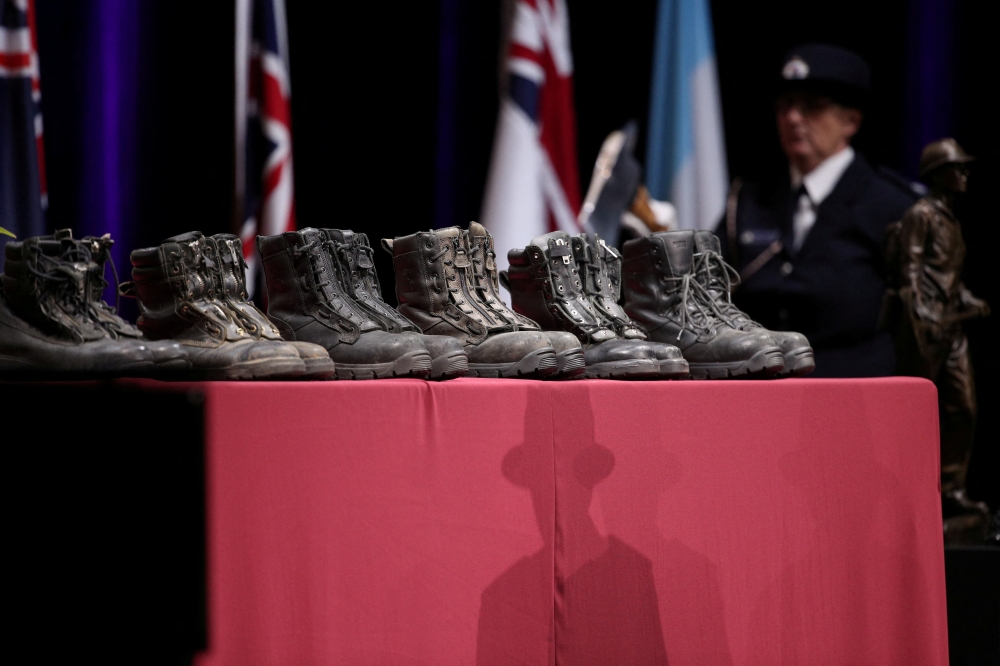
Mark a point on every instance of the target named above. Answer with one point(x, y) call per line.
point(23, 195)
point(265, 196)
point(533, 186)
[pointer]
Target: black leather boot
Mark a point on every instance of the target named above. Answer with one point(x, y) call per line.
point(179, 291)
point(663, 295)
point(436, 290)
point(353, 256)
point(545, 285)
point(169, 356)
point(599, 267)
point(232, 272)
point(306, 301)
point(570, 361)
point(718, 279)
point(48, 329)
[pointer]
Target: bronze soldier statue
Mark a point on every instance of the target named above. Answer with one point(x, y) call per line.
point(927, 303)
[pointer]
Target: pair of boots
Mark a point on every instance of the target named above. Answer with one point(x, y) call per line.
point(677, 286)
point(322, 287)
point(572, 283)
point(191, 289)
point(54, 323)
point(446, 283)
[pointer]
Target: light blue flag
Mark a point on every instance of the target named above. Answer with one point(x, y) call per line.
point(686, 150)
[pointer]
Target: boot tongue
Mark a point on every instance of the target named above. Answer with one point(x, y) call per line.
point(543, 240)
point(706, 241)
point(679, 248)
point(188, 237)
point(707, 244)
point(477, 230)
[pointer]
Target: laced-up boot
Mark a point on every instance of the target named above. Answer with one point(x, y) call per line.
point(170, 356)
point(356, 268)
point(718, 278)
point(600, 272)
point(545, 285)
point(662, 294)
point(435, 288)
point(47, 323)
point(570, 361)
point(306, 301)
point(232, 268)
point(179, 292)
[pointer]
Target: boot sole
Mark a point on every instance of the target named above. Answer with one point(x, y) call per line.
point(799, 362)
point(638, 368)
point(12, 369)
point(539, 363)
point(411, 364)
point(449, 366)
point(674, 368)
point(766, 362)
point(267, 368)
point(570, 364)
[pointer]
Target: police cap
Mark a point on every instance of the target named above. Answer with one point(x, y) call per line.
point(827, 70)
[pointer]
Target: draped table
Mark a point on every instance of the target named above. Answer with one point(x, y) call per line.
point(584, 522)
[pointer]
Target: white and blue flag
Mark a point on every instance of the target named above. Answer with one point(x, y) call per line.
point(686, 151)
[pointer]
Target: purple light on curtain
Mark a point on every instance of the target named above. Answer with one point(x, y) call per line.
point(108, 179)
point(444, 171)
point(930, 58)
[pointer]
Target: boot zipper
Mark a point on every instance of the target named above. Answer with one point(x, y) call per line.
point(463, 271)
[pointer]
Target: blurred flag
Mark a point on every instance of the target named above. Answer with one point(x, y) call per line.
point(686, 152)
point(23, 196)
point(264, 196)
point(533, 185)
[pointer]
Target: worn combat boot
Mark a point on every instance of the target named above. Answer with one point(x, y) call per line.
point(170, 357)
point(599, 267)
point(232, 272)
point(48, 322)
point(436, 291)
point(306, 301)
point(545, 285)
point(179, 291)
point(570, 361)
point(663, 295)
point(353, 257)
point(718, 278)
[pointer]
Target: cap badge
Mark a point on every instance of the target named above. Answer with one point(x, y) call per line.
point(796, 68)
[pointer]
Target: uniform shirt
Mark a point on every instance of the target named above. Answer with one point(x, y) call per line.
point(829, 287)
point(814, 187)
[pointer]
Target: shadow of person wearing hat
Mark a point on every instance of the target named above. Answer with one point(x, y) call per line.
point(592, 595)
point(809, 243)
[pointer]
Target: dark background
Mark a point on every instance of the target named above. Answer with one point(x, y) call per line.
point(372, 154)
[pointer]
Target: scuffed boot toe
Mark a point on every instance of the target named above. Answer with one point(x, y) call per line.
point(515, 354)
point(381, 355)
point(448, 357)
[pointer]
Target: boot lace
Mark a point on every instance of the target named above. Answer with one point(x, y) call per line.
point(64, 279)
point(105, 315)
point(714, 274)
point(698, 312)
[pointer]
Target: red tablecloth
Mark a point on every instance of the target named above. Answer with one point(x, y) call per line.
point(590, 522)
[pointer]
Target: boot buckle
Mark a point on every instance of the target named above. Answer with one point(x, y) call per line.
point(565, 255)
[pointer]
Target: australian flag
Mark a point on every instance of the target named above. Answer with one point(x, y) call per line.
point(23, 197)
point(533, 187)
point(265, 196)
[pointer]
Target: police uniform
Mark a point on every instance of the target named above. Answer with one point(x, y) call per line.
point(828, 285)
